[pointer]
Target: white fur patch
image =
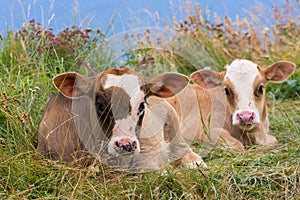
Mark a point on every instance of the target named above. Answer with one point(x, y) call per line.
point(125, 128)
point(242, 74)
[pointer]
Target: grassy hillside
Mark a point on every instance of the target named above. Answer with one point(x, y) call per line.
point(30, 57)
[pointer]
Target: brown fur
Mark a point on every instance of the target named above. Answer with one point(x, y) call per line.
point(222, 132)
point(58, 138)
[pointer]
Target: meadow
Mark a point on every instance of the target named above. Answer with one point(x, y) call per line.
point(33, 55)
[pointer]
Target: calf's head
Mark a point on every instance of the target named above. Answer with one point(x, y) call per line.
point(244, 85)
point(120, 100)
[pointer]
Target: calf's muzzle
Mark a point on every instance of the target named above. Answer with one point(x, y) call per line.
point(245, 117)
point(125, 145)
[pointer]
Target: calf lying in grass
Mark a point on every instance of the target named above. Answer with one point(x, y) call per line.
point(233, 111)
point(117, 112)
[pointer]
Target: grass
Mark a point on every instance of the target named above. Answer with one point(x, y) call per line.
point(29, 61)
point(257, 173)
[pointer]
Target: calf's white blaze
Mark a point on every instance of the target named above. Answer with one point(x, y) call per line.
point(242, 74)
point(125, 128)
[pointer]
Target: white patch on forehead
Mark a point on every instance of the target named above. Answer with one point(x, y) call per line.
point(242, 74)
point(130, 83)
point(241, 69)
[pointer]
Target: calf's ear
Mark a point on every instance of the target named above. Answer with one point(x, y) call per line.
point(167, 84)
point(206, 78)
point(72, 84)
point(279, 71)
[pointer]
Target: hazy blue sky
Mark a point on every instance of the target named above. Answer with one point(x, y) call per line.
point(126, 14)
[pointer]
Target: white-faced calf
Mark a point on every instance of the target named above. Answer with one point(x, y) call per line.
point(232, 103)
point(118, 112)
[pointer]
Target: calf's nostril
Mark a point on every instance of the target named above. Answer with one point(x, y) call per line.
point(251, 117)
point(134, 145)
point(239, 116)
point(117, 144)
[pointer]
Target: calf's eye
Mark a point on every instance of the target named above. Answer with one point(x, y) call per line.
point(100, 103)
point(142, 107)
point(260, 91)
point(227, 91)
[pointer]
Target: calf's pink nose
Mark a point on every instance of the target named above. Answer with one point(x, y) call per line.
point(245, 117)
point(125, 145)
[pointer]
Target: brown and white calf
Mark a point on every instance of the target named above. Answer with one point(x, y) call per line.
point(118, 112)
point(233, 111)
